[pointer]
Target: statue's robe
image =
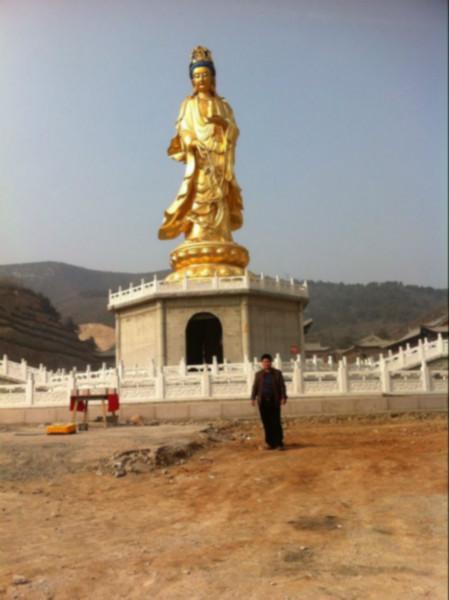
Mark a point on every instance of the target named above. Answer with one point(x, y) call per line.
point(208, 205)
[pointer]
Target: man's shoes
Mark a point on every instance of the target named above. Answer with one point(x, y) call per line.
point(281, 447)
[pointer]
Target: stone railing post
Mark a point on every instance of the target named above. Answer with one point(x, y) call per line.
point(71, 385)
point(401, 357)
point(116, 381)
point(214, 366)
point(5, 364)
point(342, 376)
point(120, 370)
point(45, 375)
point(205, 384)
point(421, 351)
point(426, 382)
point(152, 368)
point(182, 367)
point(297, 379)
point(440, 344)
point(385, 383)
point(249, 371)
point(246, 279)
point(160, 385)
point(72, 374)
point(29, 390)
point(24, 368)
point(277, 363)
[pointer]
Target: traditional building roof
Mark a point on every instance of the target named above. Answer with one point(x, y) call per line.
point(372, 341)
point(316, 347)
point(307, 325)
point(436, 326)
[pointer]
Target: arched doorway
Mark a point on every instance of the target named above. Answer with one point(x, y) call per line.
point(204, 339)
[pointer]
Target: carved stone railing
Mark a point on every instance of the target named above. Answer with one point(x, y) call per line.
point(150, 289)
point(223, 381)
point(413, 356)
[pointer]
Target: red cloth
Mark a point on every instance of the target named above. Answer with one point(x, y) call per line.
point(81, 405)
point(113, 403)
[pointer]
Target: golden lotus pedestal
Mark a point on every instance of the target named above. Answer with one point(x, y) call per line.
point(207, 259)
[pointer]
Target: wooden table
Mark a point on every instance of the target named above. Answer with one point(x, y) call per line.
point(85, 396)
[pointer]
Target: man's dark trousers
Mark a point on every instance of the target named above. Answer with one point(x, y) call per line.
point(270, 413)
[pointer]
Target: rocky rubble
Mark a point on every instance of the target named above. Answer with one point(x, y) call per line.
point(145, 460)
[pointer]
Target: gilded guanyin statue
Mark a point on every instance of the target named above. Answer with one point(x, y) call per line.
point(208, 206)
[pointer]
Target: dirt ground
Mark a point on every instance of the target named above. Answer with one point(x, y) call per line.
point(353, 509)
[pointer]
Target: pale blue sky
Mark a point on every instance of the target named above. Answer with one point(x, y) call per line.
point(341, 105)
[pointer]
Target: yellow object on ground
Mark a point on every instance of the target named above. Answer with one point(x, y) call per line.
point(61, 428)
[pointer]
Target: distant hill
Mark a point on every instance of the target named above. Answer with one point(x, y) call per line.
point(32, 329)
point(79, 293)
point(342, 313)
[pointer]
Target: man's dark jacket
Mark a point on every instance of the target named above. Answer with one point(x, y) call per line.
point(279, 389)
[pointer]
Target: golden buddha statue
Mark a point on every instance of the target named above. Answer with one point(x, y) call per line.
point(208, 206)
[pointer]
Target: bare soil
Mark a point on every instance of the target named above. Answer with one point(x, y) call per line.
point(353, 509)
point(104, 335)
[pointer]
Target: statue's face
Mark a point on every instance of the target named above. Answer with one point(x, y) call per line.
point(202, 79)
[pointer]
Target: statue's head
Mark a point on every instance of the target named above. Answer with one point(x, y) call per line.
point(202, 70)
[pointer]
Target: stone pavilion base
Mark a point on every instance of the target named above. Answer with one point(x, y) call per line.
point(231, 318)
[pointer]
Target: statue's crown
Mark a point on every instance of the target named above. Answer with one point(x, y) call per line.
point(201, 54)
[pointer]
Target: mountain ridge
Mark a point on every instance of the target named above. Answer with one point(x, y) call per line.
point(342, 313)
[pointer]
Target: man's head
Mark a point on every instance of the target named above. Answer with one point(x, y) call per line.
point(266, 360)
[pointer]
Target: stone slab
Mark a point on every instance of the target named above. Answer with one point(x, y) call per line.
point(340, 405)
point(206, 410)
point(235, 409)
point(403, 403)
point(143, 409)
point(302, 406)
point(172, 411)
point(238, 409)
point(370, 405)
point(433, 402)
point(12, 415)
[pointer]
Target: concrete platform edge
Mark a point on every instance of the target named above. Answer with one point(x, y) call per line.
point(242, 409)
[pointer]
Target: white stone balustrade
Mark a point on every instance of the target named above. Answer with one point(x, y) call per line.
point(220, 381)
point(150, 289)
point(409, 357)
point(28, 386)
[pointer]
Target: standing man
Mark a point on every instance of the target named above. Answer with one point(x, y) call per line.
point(269, 391)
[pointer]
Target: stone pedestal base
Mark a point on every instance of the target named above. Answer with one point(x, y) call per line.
point(255, 316)
point(207, 259)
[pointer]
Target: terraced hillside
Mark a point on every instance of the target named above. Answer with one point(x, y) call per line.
point(31, 328)
point(342, 313)
point(78, 293)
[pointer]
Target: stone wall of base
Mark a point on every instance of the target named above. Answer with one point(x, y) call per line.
point(239, 409)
